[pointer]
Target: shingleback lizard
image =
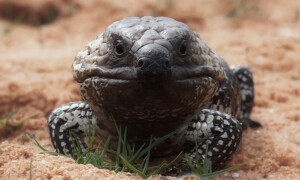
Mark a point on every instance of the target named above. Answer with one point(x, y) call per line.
point(152, 74)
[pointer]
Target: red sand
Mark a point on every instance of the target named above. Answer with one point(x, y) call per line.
point(35, 75)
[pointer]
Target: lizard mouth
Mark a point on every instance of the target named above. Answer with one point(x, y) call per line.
point(123, 73)
point(129, 73)
point(186, 73)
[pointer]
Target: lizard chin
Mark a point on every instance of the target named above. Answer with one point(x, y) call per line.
point(159, 110)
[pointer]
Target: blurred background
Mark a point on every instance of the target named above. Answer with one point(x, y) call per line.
point(68, 21)
point(40, 38)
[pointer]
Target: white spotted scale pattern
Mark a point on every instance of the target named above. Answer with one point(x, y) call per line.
point(245, 79)
point(221, 131)
point(74, 116)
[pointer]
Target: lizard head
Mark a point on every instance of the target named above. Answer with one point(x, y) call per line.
point(148, 72)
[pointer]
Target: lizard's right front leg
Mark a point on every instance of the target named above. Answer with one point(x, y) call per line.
point(77, 117)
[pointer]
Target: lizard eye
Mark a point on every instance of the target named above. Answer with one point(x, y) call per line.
point(183, 48)
point(119, 49)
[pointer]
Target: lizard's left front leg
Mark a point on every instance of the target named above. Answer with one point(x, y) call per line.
point(77, 117)
point(222, 132)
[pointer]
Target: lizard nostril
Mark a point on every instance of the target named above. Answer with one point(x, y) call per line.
point(167, 64)
point(140, 63)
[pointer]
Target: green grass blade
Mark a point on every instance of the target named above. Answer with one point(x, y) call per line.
point(124, 144)
point(119, 148)
point(4, 124)
point(216, 173)
point(102, 156)
point(9, 124)
point(77, 150)
point(35, 142)
point(30, 171)
point(22, 140)
point(160, 168)
point(147, 158)
point(206, 163)
point(137, 155)
point(90, 140)
point(155, 143)
point(133, 168)
point(164, 166)
point(22, 121)
point(189, 162)
point(71, 98)
point(9, 115)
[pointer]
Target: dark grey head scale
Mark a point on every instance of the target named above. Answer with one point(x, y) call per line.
point(136, 28)
point(135, 48)
point(142, 31)
point(154, 43)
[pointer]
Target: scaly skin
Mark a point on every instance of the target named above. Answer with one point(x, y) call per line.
point(152, 74)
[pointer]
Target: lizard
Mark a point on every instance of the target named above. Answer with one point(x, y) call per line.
point(152, 74)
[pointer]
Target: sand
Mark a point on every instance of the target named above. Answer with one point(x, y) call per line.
point(35, 75)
